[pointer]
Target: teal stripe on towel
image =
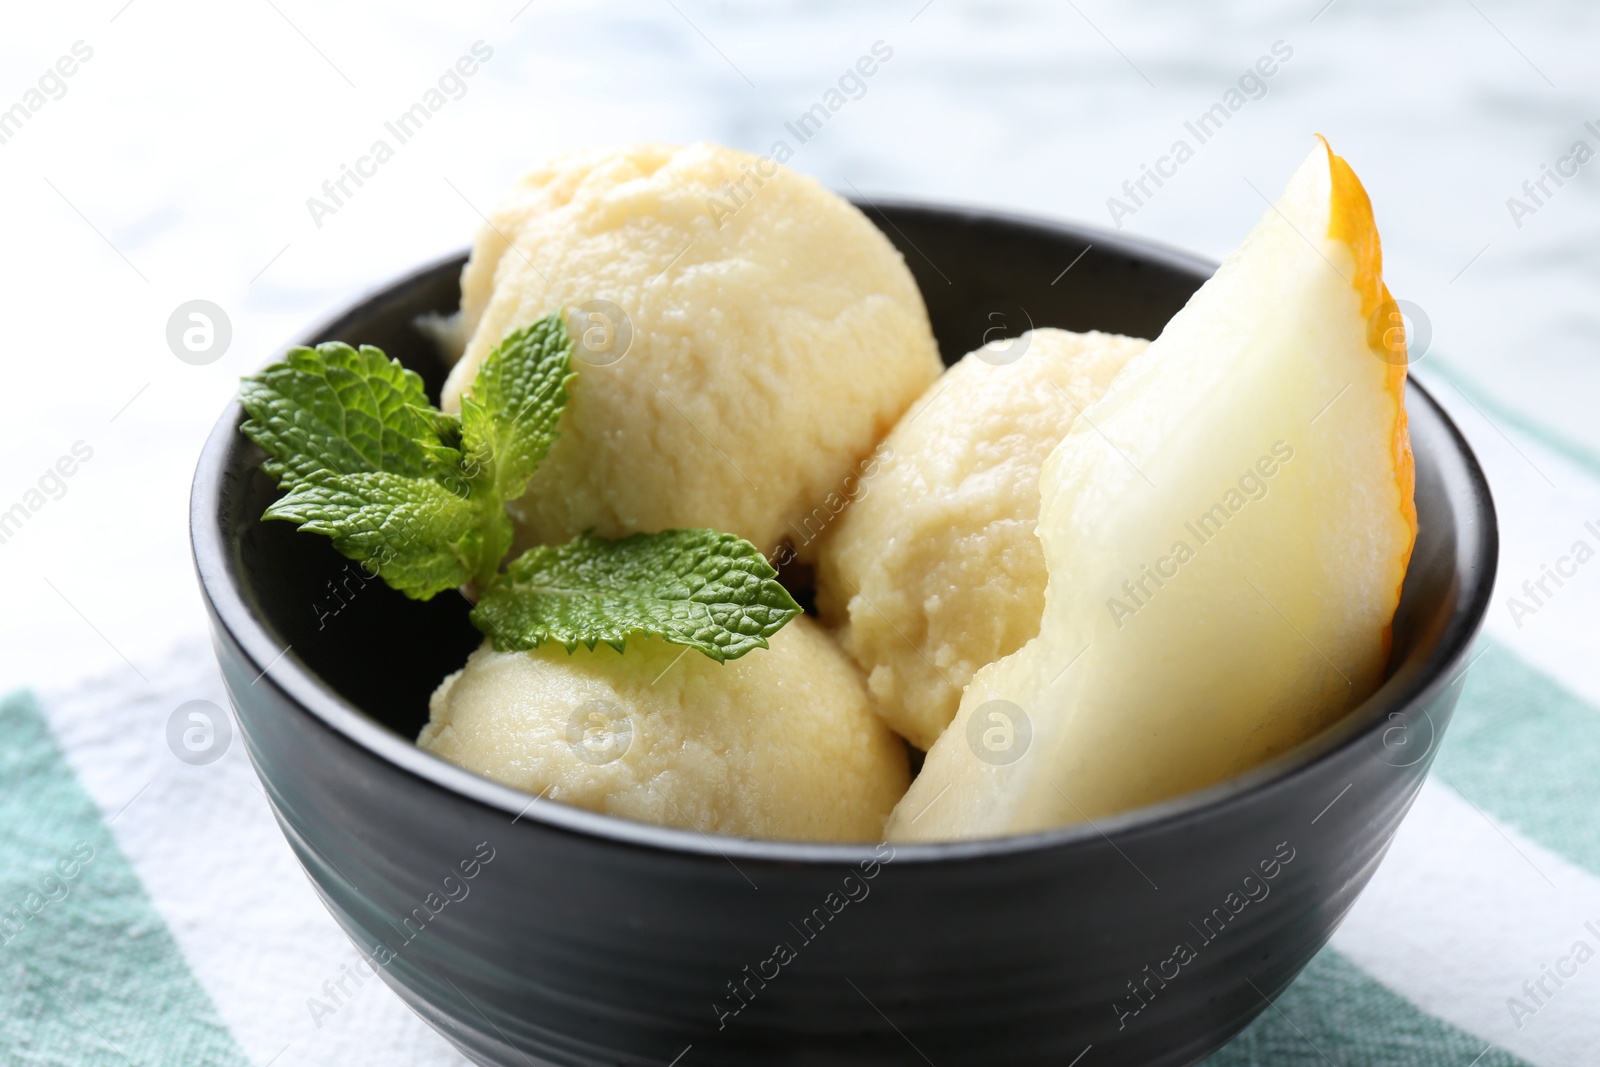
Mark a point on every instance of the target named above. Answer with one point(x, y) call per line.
point(1335, 1014)
point(90, 974)
point(1526, 751)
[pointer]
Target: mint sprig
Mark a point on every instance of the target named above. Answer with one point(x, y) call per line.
point(418, 497)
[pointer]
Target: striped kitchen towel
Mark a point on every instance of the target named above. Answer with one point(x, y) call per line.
point(151, 913)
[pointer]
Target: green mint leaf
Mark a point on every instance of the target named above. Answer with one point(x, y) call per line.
point(349, 411)
point(710, 591)
point(368, 462)
point(508, 419)
point(508, 423)
point(414, 533)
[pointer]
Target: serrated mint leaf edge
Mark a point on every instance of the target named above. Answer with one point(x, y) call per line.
point(313, 507)
point(267, 425)
point(495, 612)
point(510, 464)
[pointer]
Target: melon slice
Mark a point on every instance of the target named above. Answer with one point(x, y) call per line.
point(1226, 532)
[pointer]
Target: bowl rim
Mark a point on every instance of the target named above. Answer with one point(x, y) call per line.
point(222, 592)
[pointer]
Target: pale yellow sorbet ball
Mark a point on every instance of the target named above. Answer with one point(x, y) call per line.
point(780, 743)
point(934, 571)
point(777, 335)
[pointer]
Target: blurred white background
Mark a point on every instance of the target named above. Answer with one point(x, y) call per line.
point(178, 163)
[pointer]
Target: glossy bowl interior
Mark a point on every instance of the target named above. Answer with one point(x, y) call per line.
point(586, 939)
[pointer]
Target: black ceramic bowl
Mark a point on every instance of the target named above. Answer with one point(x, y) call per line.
point(584, 939)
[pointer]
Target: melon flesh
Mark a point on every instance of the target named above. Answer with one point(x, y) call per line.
point(1226, 533)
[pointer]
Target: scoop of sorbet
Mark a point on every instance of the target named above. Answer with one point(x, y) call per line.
point(746, 337)
point(781, 743)
point(934, 571)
